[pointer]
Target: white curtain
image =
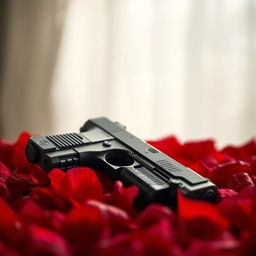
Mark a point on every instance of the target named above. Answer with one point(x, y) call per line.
point(159, 67)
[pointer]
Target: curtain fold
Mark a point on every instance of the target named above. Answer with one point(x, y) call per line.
point(4, 11)
point(159, 67)
point(33, 34)
point(183, 67)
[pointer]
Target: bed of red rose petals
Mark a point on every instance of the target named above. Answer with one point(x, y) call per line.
point(82, 212)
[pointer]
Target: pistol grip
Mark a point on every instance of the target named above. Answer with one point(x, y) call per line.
point(151, 187)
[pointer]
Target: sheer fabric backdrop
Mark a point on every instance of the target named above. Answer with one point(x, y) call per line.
point(157, 66)
point(182, 67)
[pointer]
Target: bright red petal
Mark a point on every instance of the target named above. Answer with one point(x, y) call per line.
point(201, 168)
point(84, 226)
point(122, 197)
point(200, 219)
point(19, 159)
point(56, 176)
point(81, 184)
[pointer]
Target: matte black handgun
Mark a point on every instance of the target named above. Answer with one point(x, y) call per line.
point(107, 146)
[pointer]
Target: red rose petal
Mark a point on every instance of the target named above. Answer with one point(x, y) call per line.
point(4, 191)
point(15, 158)
point(195, 151)
point(221, 174)
point(84, 226)
point(6, 152)
point(225, 193)
point(201, 168)
point(154, 213)
point(19, 159)
point(244, 152)
point(56, 176)
point(49, 199)
point(224, 245)
point(200, 219)
point(155, 240)
point(122, 197)
point(80, 184)
point(240, 209)
point(238, 212)
point(31, 176)
point(47, 242)
point(119, 219)
point(7, 251)
point(33, 213)
point(63, 206)
point(13, 230)
point(240, 181)
point(216, 158)
point(4, 172)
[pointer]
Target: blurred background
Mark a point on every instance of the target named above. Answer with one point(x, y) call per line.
point(183, 67)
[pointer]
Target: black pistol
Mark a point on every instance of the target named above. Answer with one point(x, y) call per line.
point(107, 146)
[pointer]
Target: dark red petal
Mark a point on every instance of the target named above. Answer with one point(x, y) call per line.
point(33, 213)
point(6, 149)
point(156, 240)
point(216, 158)
point(7, 251)
point(84, 226)
point(223, 172)
point(49, 199)
point(248, 242)
point(19, 185)
point(240, 209)
point(16, 159)
point(4, 191)
point(162, 229)
point(122, 197)
point(226, 244)
point(155, 213)
point(107, 183)
point(80, 184)
point(200, 219)
point(4, 172)
point(56, 220)
point(244, 152)
point(47, 242)
point(24, 180)
point(118, 218)
point(13, 230)
point(225, 193)
point(240, 181)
